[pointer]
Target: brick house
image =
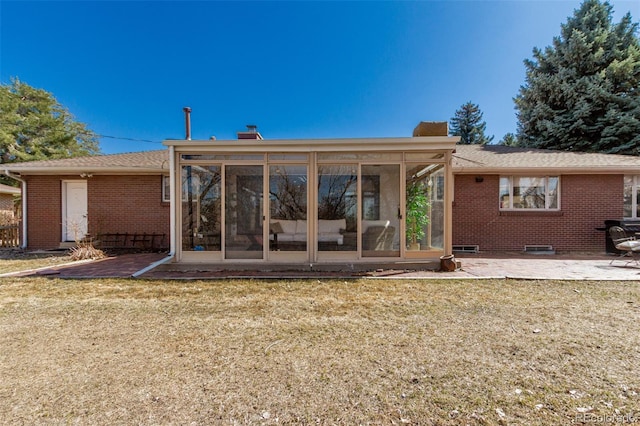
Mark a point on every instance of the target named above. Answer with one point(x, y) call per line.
point(111, 194)
point(258, 200)
point(508, 198)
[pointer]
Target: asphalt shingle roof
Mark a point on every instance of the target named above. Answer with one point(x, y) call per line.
point(466, 159)
point(495, 158)
point(144, 161)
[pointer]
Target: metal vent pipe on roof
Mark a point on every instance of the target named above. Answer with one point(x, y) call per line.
point(187, 120)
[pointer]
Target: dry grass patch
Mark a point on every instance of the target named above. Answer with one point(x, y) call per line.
point(326, 352)
point(16, 260)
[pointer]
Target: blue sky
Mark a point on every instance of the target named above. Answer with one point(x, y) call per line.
point(296, 69)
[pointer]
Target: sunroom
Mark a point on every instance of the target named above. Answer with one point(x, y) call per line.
point(306, 202)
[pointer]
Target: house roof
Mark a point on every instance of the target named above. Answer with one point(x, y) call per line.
point(468, 159)
point(143, 162)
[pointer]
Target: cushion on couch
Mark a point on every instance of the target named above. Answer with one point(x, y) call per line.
point(334, 226)
point(288, 226)
point(301, 226)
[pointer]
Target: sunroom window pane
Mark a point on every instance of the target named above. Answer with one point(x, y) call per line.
point(386, 156)
point(288, 208)
point(201, 208)
point(337, 207)
point(424, 219)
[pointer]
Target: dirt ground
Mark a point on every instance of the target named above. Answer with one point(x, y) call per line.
point(319, 352)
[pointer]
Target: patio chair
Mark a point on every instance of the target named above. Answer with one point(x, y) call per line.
point(628, 245)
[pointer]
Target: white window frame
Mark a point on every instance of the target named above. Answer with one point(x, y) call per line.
point(166, 196)
point(547, 198)
point(635, 185)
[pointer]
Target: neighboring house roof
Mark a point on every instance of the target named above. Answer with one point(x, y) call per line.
point(469, 159)
point(6, 189)
point(135, 162)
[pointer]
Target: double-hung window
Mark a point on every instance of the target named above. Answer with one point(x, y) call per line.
point(529, 192)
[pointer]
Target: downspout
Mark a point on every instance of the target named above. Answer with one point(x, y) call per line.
point(24, 205)
point(172, 219)
point(172, 202)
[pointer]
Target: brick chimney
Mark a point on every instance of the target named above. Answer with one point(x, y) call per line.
point(250, 133)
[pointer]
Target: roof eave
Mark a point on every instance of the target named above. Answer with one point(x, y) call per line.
point(547, 170)
point(435, 143)
point(79, 170)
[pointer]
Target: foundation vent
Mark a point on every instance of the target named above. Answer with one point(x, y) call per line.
point(466, 249)
point(539, 249)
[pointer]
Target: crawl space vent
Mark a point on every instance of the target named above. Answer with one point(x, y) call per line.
point(539, 249)
point(466, 249)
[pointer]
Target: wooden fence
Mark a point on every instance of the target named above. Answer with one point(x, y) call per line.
point(10, 235)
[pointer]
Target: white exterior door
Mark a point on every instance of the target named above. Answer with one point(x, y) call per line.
point(74, 210)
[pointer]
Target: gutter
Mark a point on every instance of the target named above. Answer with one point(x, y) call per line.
point(24, 205)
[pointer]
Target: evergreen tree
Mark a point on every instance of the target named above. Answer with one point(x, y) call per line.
point(36, 127)
point(468, 124)
point(583, 92)
point(509, 139)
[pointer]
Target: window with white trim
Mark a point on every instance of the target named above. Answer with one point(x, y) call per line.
point(631, 197)
point(529, 192)
point(166, 183)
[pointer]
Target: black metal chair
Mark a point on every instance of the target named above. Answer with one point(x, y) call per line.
point(627, 244)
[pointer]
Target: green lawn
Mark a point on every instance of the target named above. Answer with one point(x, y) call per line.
point(318, 351)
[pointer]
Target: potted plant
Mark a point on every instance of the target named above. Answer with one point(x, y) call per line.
point(417, 213)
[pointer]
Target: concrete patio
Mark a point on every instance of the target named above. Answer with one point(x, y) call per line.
point(479, 266)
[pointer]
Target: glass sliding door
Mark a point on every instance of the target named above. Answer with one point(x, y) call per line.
point(424, 217)
point(244, 215)
point(288, 208)
point(201, 208)
point(380, 226)
point(337, 208)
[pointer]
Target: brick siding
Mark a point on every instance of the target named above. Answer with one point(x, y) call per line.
point(134, 204)
point(44, 211)
point(116, 204)
point(585, 202)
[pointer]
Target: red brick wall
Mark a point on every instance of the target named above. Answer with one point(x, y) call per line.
point(131, 204)
point(585, 202)
point(134, 204)
point(44, 211)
